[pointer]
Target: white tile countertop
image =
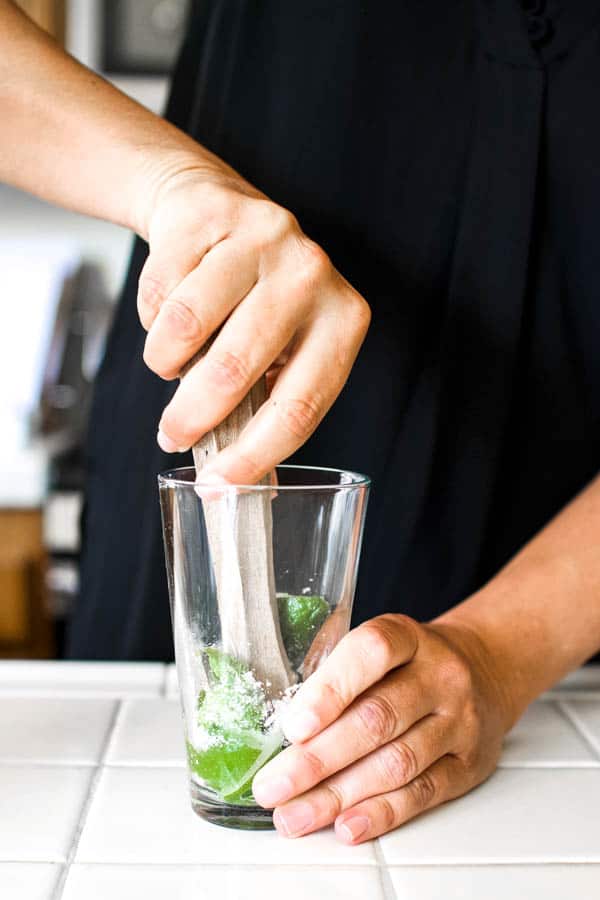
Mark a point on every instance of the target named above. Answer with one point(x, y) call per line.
point(94, 804)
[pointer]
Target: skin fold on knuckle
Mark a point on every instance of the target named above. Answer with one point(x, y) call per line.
point(299, 417)
point(227, 372)
point(376, 715)
point(312, 764)
point(180, 321)
point(333, 800)
point(423, 791)
point(175, 324)
point(326, 698)
point(398, 764)
point(151, 293)
point(386, 815)
point(331, 697)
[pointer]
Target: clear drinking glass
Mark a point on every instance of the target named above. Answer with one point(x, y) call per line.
point(261, 582)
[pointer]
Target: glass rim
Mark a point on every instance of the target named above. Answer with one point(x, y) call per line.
point(355, 480)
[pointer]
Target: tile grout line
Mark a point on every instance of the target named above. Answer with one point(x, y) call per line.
point(385, 878)
point(581, 729)
point(459, 863)
point(59, 888)
point(463, 862)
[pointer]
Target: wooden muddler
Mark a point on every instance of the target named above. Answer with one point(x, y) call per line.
point(240, 535)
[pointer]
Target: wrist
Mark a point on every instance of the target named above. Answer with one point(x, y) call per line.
point(495, 656)
point(172, 169)
point(156, 177)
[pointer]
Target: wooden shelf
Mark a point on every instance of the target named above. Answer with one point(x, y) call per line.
point(25, 624)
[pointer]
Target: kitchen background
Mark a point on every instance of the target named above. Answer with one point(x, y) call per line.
point(61, 274)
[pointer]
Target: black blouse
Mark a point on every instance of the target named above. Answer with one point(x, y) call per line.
point(447, 156)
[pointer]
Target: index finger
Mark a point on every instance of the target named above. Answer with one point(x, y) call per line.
point(361, 659)
point(306, 388)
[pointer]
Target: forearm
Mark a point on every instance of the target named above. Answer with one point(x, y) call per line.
point(540, 616)
point(70, 137)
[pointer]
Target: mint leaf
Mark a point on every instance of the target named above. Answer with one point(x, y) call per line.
point(300, 618)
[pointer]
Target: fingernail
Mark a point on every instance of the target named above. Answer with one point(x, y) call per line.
point(299, 726)
point(353, 828)
point(167, 444)
point(269, 792)
point(294, 819)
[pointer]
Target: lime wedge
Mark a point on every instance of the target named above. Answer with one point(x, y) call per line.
point(232, 712)
point(223, 768)
point(243, 792)
point(229, 768)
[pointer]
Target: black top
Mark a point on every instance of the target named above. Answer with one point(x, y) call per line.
point(447, 156)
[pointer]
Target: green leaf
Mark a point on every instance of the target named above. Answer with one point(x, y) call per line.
point(223, 666)
point(300, 618)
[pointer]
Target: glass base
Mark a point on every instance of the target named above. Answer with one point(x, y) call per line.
point(228, 815)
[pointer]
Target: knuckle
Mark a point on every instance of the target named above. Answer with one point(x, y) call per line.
point(393, 621)
point(221, 206)
point(315, 265)
point(151, 294)
point(360, 314)
point(180, 320)
point(377, 644)
point(423, 790)
point(282, 220)
point(217, 209)
point(458, 676)
point(399, 763)
point(471, 758)
point(228, 372)
point(470, 720)
point(378, 717)
point(314, 764)
point(335, 800)
point(299, 416)
point(332, 697)
point(276, 221)
point(387, 814)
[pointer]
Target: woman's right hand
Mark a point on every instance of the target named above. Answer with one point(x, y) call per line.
point(223, 256)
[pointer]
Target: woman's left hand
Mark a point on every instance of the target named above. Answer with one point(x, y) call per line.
point(400, 718)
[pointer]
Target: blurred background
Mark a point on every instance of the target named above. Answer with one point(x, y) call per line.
point(66, 271)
